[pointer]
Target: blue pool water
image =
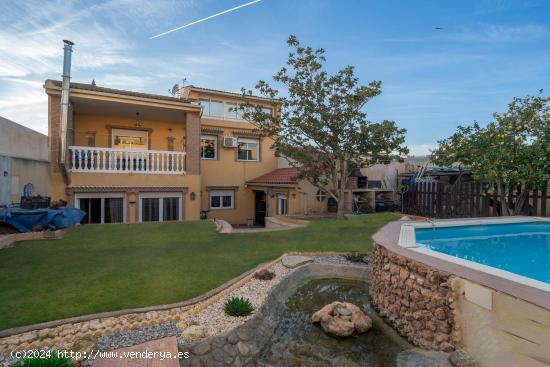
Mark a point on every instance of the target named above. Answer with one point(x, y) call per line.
point(521, 248)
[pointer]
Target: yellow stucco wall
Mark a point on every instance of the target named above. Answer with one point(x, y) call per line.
point(227, 171)
point(158, 140)
point(189, 182)
point(160, 130)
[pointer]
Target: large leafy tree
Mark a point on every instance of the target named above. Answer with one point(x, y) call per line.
point(321, 127)
point(511, 154)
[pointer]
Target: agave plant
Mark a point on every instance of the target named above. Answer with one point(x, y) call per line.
point(238, 306)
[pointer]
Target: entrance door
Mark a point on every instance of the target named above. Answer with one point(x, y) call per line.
point(260, 207)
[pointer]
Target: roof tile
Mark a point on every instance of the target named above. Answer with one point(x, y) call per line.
point(281, 176)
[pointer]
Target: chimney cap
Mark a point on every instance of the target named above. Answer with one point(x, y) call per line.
point(67, 42)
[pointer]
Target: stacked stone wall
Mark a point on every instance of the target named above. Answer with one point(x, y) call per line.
point(415, 299)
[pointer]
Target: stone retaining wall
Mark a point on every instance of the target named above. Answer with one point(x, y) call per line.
point(417, 300)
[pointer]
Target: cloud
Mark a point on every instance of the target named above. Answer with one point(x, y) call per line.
point(497, 33)
point(31, 49)
point(24, 102)
point(32, 43)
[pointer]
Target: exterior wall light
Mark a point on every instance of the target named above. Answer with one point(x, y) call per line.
point(192, 196)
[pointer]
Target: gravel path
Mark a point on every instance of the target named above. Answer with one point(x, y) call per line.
point(214, 319)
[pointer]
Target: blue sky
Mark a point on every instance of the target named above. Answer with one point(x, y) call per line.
point(487, 52)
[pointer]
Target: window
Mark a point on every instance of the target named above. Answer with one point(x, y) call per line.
point(130, 139)
point(170, 208)
point(102, 208)
point(282, 205)
point(150, 210)
point(212, 108)
point(160, 207)
point(225, 110)
point(209, 147)
point(267, 110)
point(231, 111)
point(113, 210)
point(205, 103)
point(216, 109)
point(221, 199)
point(248, 149)
point(240, 113)
point(321, 195)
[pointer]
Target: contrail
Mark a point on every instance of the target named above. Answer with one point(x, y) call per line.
point(209, 17)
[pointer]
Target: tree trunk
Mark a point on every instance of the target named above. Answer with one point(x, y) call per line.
point(341, 190)
point(520, 202)
point(504, 200)
point(341, 206)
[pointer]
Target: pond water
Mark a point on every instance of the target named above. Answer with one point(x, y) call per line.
point(298, 342)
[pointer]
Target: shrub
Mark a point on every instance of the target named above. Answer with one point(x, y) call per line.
point(238, 306)
point(264, 275)
point(52, 361)
point(356, 257)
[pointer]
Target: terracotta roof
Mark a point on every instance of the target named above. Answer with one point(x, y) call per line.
point(281, 176)
point(95, 88)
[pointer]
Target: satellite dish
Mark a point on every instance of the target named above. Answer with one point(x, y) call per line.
point(175, 90)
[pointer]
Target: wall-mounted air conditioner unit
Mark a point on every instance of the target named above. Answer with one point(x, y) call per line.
point(229, 142)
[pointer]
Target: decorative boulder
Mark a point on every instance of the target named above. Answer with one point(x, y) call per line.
point(193, 332)
point(342, 319)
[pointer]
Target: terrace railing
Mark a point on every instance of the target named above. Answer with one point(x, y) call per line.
point(112, 160)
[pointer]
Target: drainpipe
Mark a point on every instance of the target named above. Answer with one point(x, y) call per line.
point(65, 88)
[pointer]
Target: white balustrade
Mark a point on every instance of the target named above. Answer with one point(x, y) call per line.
point(109, 160)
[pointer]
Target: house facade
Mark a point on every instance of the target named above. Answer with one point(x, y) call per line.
point(135, 157)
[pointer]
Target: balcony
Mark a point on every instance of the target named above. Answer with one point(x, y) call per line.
point(111, 160)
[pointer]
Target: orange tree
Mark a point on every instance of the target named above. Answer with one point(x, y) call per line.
point(511, 154)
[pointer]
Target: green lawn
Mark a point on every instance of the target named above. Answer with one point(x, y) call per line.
point(108, 267)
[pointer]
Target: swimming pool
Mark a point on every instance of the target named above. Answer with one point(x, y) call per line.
point(498, 272)
point(520, 248)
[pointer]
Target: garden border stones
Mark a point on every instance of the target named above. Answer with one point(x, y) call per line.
point(10, 240)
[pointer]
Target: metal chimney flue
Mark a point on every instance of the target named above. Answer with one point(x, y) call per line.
point(65, 90)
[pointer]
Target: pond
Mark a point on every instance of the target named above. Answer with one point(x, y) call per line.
point(298, 342)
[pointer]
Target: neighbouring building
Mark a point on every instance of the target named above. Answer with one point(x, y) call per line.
point(23, 160)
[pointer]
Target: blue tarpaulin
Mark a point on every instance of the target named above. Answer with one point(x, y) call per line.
point(41, 219)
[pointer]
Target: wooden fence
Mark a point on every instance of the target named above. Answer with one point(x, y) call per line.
point(465, 199)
